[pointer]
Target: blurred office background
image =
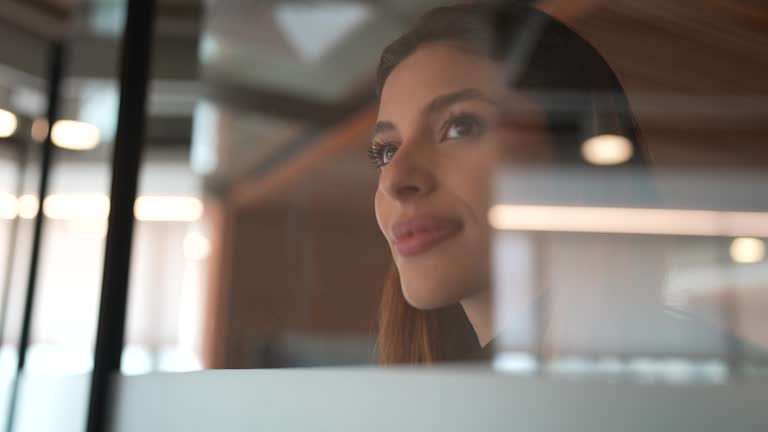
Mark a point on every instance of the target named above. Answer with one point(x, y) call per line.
point(256, 243)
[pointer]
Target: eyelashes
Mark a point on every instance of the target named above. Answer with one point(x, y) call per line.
point(457, 126)
point(381, 153)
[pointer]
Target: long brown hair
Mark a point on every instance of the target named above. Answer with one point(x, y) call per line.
point(559, 60)
point(410, 335)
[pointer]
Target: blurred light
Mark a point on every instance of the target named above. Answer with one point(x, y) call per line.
point(136, 360)
point(102, 229)
point(75, 135)
point(28, 206)
point(107, 18)
point(747, 250)
point(520, 363)
point(70, 360)
point(677, 370)
point(628, 220)
point(39, 129)
point(96, 208)
point(197, 247)
point(76, 207)
point(571, 366)
point(714, 370)
point(204, 155)
point(609, 365)
point(314, 29)
point(168, 209)
point(8, 123)
point(99, 104)
point(9, 206)
point(607, 150)
point(175, 360)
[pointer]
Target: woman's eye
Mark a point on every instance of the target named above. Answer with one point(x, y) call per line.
point(388, 154)
point(381, 154)
point(463, 126)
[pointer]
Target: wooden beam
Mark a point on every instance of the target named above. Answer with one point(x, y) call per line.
point(353, 131)
point(568, 10)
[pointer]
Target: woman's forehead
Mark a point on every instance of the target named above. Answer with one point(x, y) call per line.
point(433, 70)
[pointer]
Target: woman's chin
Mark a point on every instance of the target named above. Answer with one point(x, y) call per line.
point(427, 297)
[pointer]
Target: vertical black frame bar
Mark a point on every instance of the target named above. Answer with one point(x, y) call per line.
point(55, 77)
point(54, 96)
point(129, 144)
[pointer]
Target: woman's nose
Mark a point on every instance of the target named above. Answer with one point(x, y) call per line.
point(408, 176)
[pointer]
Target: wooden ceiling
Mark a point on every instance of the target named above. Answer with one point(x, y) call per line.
point(694, 71)
point(706, 58)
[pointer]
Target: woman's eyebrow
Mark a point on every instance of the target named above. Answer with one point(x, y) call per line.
point(444, 101)
point(382, 126)
point(438, 104)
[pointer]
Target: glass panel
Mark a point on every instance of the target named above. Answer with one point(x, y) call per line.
point(636, 248)
point(62, 397)
point(563, 200)
point(65, 308)
point(664, 286)
point(22, 102)
point(172, 239)
point(342, 399)
point(303, 231)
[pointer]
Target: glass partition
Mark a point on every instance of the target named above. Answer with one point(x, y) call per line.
point(549, 188)
point(294, 101)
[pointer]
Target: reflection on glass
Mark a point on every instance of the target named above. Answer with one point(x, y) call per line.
point(74, 135)
point(464, 93)
point(8, 123)
point(168, 274)
point(672, 297)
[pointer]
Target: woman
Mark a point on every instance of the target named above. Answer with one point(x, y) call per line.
point(464, 79)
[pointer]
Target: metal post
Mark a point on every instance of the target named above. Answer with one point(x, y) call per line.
point(129, 143)
point(55, 74)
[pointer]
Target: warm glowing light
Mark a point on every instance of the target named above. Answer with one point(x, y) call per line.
point(168, 209)
point(76, 207)
point(75, 135)
point(8, 123)
point(607, 150)
point(747, 250)
point(197, 247)
point(39, 129)
point(28, 206)
point(628, 220)
point(96, 208)
point(9, 206)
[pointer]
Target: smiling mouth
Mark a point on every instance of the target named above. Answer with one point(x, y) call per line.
point(419, 235)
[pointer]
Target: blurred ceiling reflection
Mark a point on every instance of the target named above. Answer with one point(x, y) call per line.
point(275, 77)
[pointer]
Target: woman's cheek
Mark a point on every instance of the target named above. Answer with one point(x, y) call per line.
point(380, 208)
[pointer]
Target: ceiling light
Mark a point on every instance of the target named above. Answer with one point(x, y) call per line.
point(168, 209)
point(628, 220)
point(746, 250)
point(607, 150)
point(28, 206)
point(8, 123)
point(76, 207)
point(75, 135)
point(9, 206)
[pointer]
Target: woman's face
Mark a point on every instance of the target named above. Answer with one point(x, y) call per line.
point(435, 141)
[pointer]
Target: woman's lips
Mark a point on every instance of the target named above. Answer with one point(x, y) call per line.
point(420, 234)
